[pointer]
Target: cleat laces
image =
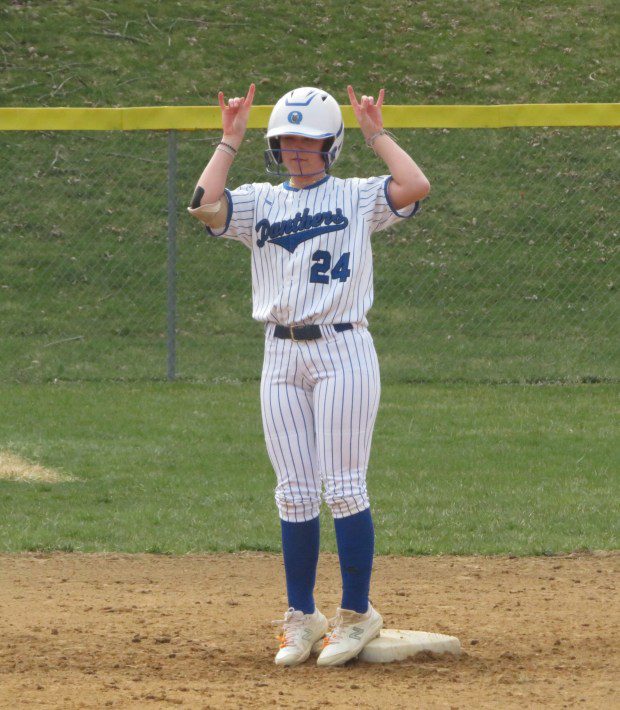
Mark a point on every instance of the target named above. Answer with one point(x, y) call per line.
point(335, 634)
point(291, 624)
point(343, 618)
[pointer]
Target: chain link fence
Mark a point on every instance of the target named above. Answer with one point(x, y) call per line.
point(508, 274)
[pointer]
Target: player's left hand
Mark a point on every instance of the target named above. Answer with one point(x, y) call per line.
point(367, 112)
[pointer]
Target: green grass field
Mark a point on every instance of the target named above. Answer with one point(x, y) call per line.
point(508, 277)
point(179, 468)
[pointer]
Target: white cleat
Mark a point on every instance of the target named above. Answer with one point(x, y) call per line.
point(299, 634)
point(351, 632)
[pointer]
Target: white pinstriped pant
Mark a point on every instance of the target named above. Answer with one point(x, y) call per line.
point(319, 401)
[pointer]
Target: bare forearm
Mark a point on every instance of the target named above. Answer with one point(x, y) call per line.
point(408, 181)
point(208, 203)
point(213, 179)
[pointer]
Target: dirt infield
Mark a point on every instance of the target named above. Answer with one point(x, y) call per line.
point(150, 631)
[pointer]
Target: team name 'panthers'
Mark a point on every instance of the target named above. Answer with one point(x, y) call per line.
point(290, 233)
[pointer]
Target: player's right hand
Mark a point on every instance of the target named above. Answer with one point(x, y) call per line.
point(235, 115)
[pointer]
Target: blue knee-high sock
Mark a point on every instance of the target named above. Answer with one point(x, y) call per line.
point(355, 536)
point(300, 547)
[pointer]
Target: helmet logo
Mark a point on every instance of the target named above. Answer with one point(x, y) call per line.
point(295, 117)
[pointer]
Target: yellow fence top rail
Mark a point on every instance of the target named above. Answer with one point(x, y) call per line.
point(191, 118)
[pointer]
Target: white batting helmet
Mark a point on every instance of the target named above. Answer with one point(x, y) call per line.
point(306, 112)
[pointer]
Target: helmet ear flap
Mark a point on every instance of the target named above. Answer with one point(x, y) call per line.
point(327, 146)
point(274, 145)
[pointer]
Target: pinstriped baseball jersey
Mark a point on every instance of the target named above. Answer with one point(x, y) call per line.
point(311, 250)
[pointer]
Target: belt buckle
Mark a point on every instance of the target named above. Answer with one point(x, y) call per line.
point(292, 333)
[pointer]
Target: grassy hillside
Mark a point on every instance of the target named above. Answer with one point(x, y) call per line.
point(507, 274)
point(72, 52)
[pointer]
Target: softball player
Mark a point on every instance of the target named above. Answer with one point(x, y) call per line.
point(312, 285)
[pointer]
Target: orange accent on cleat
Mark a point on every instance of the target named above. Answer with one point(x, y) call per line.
point(299, 634)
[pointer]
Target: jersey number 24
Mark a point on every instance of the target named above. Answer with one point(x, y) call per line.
point(323, 259)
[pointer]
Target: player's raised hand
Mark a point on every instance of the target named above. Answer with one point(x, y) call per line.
point(367, 112)
point(235, 113)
